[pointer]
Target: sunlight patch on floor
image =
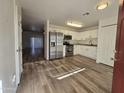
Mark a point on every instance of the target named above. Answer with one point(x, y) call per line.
point(70, 74)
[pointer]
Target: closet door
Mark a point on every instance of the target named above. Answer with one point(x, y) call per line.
point(108, 39)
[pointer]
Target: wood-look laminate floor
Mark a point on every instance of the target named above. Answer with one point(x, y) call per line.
point(41, 77)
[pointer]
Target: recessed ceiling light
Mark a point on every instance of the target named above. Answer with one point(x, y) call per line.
point(102, 5)
point(74, 24)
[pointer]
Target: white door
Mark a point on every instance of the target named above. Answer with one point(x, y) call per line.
point(18, 44)
point(108, 41)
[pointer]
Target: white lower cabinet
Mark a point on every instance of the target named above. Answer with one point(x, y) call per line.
point(76, 49)
point(88, 51)
point(64, 51)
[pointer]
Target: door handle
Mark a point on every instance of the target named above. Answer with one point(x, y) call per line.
point(17, 50)
point(113, 59)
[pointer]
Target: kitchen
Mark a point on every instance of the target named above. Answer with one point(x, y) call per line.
point(89, 42)
point(84, 25)
point(58, 46)
point(79, 46)
point(73, 41)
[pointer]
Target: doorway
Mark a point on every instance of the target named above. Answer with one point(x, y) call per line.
point(33, 46)
point(118, 77)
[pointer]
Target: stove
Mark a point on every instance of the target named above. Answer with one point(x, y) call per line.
point(69, 50)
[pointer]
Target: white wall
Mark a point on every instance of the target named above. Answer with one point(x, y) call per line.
point(7, 50)
point(46, 45)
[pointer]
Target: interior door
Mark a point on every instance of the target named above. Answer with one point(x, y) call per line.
point(108, 44)
point(111, 52)
point(118, 78)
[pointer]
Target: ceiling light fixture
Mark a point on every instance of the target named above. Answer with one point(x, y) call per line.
point(74, 24)
point(86, 14)
point(102, 5)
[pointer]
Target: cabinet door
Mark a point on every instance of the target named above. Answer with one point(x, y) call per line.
point(76, 49)
point(88, 51)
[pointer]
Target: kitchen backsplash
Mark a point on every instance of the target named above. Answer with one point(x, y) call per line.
point(88, 41)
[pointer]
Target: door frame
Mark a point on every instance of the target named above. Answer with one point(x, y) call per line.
point(18, 57)
point(40, 33)
point(118, 81)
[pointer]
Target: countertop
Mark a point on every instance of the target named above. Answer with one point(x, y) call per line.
point(86, 45)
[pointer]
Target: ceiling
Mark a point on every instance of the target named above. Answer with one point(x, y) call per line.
point(59, 11)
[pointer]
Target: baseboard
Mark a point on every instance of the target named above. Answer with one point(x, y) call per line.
point(87, 57)
point(106, 65)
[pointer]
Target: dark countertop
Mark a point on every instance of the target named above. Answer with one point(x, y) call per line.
point(86, 45)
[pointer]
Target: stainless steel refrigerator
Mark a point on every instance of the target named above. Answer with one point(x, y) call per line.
point(56, 45)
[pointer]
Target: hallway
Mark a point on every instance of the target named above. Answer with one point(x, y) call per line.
point(33, 46)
